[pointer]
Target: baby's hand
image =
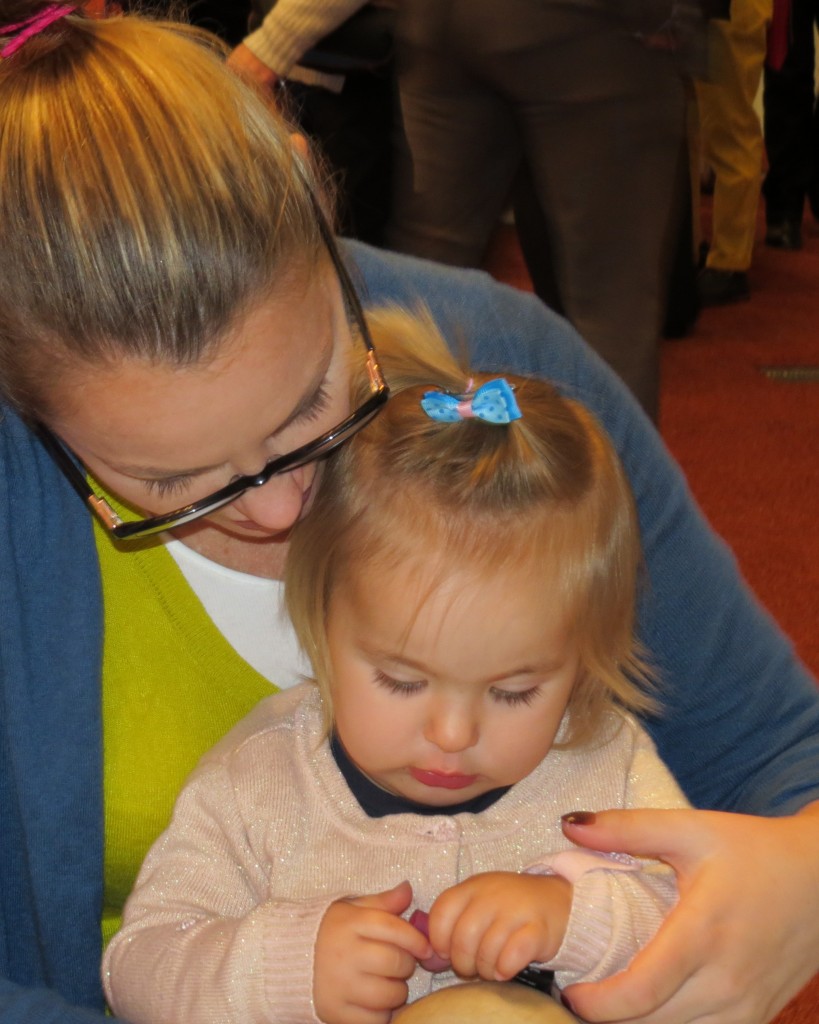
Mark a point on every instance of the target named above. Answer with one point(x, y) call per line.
point(364, 953)
point(493, 925)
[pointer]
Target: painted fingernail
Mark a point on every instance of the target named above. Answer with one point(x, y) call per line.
point(579, 818)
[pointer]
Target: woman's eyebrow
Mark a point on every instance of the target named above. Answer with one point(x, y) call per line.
point(155, 473)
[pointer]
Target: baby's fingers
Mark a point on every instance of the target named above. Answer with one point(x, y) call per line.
point(386, 960)
point(518, 951)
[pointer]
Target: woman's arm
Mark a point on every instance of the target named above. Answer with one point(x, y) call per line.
point(50, 747)
point(20, 1004)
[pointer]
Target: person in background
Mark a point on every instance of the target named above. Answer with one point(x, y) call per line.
point(330, 66)
point(731, 138)
point(556, 97)
point(791, 128)
point(573, 94)
point(177, 325)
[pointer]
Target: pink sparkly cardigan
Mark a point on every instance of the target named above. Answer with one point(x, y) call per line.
point(222, 922)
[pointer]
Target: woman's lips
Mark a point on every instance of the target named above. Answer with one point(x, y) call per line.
point(442, 780)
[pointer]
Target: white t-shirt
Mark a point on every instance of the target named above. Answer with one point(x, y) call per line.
point(249, 612)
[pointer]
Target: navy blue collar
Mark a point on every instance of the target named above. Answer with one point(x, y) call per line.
point(378, 803)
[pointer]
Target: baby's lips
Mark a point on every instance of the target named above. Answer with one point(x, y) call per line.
point(420, 920)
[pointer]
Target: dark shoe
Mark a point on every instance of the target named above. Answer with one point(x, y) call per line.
point(813, 199)
point(720, 287)
point(785, 234)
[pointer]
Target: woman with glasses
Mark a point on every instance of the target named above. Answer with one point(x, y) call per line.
point(178, 333)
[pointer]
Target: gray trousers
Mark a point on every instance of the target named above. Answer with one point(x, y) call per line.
point(567, 89)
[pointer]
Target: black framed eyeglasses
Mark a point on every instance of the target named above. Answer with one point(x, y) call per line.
point(306, 453)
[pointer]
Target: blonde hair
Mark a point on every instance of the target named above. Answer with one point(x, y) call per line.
point(149, 197)
point(546, 494)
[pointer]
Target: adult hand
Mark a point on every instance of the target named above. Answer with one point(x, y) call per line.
point(744, 938)
point(364, 953)
point(245, 63)
point(493, 925)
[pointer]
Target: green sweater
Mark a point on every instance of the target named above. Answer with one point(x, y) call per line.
point(145, 594)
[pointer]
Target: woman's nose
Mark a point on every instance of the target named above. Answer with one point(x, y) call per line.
point(278, 504)
point(452, 727)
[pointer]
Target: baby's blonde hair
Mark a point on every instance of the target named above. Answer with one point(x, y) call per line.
point(149, 197)
point(545, 494)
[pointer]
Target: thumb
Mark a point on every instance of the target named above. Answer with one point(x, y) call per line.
point(681, 838)
point(393, 901)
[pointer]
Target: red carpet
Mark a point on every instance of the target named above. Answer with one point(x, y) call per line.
point(749, 444)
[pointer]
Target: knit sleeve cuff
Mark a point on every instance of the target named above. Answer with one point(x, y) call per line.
point(290, 962)
point(613, 915)
point(276, 50)
point(291, 29)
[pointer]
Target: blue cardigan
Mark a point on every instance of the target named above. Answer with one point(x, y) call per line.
point(740, 731)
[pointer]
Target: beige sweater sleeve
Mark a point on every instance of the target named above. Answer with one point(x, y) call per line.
point(618, 903)
point(293, 26)
point(202, 940)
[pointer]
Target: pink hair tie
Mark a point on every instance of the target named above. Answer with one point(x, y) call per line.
point(464, 407)
point(23, 30)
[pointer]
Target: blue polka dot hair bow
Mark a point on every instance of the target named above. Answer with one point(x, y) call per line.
point(493, 402)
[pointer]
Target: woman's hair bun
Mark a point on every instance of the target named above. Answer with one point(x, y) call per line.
point(31, 22)
point(13, 11)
